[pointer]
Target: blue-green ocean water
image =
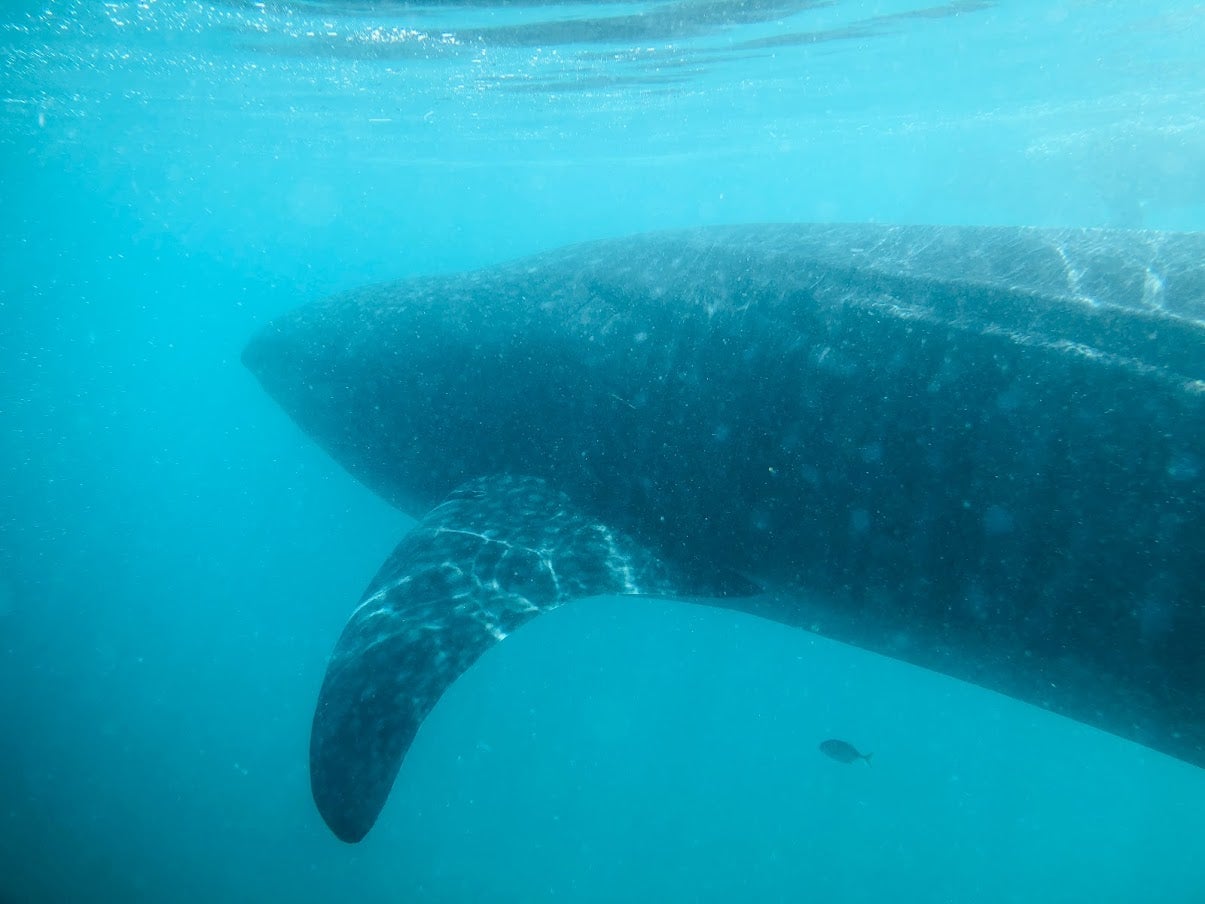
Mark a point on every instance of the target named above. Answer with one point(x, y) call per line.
point(176, 559)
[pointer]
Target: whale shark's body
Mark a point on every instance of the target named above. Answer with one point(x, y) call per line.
point(979, 450)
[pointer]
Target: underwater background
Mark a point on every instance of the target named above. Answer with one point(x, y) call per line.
point(177, 559)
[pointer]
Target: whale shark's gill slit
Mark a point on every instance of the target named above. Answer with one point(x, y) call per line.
point(451, 590)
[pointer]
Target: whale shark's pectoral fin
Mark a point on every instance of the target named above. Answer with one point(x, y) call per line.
point(492, 556)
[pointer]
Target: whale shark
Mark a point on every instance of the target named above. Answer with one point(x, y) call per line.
point(978, 450)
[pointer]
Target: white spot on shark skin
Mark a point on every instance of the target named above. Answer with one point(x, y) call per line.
point(871, 453)
point(1185, 466)
point(1156, 619)
point(1009, 400)
point(978, 603)
point(998, 520)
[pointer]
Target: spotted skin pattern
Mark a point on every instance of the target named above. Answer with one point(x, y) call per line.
point(978, 450)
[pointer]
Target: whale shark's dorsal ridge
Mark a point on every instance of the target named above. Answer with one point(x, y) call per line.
point(979, 450)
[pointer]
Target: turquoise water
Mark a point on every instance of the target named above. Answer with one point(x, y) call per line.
point(176, 559)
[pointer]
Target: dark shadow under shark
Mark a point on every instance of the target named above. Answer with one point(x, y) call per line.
point(978, 450)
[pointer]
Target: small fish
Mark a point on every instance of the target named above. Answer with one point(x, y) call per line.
point(843, 752)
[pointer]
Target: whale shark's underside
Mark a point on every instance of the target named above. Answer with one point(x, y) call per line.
point(978, 450)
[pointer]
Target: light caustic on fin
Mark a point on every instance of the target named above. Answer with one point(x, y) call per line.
point(496, 553)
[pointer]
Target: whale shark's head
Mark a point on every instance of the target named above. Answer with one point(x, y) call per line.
point(417, 386)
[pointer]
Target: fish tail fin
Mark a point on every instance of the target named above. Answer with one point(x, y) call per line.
point(867, 756)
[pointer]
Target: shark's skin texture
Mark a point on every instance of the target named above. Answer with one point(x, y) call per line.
point(978, 450)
